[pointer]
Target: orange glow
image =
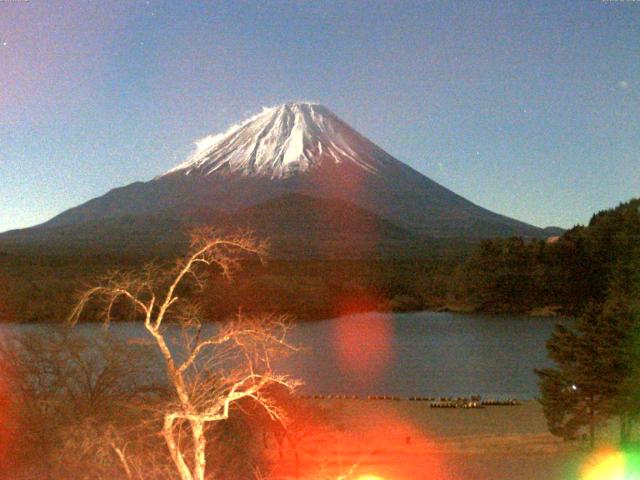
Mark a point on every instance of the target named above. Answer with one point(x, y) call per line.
point(7, 428)
point(364, 440)
point(607, 465)
point(363, 343)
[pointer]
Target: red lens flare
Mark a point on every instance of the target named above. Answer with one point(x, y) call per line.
point(366, 440)
point(7, 419)
point(363, 342)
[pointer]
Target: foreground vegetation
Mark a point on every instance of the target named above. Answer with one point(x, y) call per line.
point(597, 372)
point(77, 406)
point(80, 407)
point(89, 404)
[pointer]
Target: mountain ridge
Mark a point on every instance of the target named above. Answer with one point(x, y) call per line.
point(298, 149)
point(340, 230)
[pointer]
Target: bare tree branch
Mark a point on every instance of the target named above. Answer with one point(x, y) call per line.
point(211, 373)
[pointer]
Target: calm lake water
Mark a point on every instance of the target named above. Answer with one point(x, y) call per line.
point(424, 354)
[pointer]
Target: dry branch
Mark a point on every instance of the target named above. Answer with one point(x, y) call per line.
point(211, 373)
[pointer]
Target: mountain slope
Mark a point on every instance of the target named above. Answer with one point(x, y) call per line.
point(296, 226)
point(301, 148)
point(296, 149)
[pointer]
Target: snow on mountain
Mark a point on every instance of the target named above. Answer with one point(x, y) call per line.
point(281, 141)
point(290, 152)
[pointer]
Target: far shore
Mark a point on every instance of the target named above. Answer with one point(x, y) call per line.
point(542, 312)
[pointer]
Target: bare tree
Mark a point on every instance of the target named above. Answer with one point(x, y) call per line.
point(64, 391)
point(211, 372)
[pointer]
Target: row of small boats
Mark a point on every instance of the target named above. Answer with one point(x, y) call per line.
point(474, 401)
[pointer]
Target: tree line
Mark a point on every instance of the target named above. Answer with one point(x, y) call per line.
point(567, 273)
point(504, 275)
point(597, 359)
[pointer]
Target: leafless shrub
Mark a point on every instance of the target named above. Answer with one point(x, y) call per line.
point(67, 393)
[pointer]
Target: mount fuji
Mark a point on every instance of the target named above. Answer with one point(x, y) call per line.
point(296, 172)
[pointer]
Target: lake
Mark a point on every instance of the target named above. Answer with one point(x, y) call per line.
point(410, 354)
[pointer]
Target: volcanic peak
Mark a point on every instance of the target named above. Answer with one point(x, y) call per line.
point(280, 142)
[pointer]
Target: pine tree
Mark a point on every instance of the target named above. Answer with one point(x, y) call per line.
point(597, 372)
point(579, 392)
point(623, 304)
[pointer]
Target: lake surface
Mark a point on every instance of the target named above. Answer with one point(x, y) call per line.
point(414, 354)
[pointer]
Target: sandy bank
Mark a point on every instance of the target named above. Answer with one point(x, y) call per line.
point(403, 440)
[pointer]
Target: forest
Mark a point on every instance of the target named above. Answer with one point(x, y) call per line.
point(560, 275)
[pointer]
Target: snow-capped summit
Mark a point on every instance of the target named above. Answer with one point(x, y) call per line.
point(295, 158)
point(281, 141)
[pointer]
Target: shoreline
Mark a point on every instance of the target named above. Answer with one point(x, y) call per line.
point(403, 440)
point(542, 313)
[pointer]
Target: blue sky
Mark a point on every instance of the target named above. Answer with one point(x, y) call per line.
point(530, 109)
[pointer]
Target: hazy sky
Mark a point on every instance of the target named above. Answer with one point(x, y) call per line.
point(530, 109)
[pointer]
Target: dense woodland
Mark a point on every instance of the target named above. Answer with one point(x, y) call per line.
point(511, 275)
point(568, 274)
point(597, 359)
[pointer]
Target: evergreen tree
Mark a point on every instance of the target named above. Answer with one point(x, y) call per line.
point(623, 304)
point(580, 391)
point(597, 372)
point(513, 275)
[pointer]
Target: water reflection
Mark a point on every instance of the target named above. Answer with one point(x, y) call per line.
point(425, 353)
